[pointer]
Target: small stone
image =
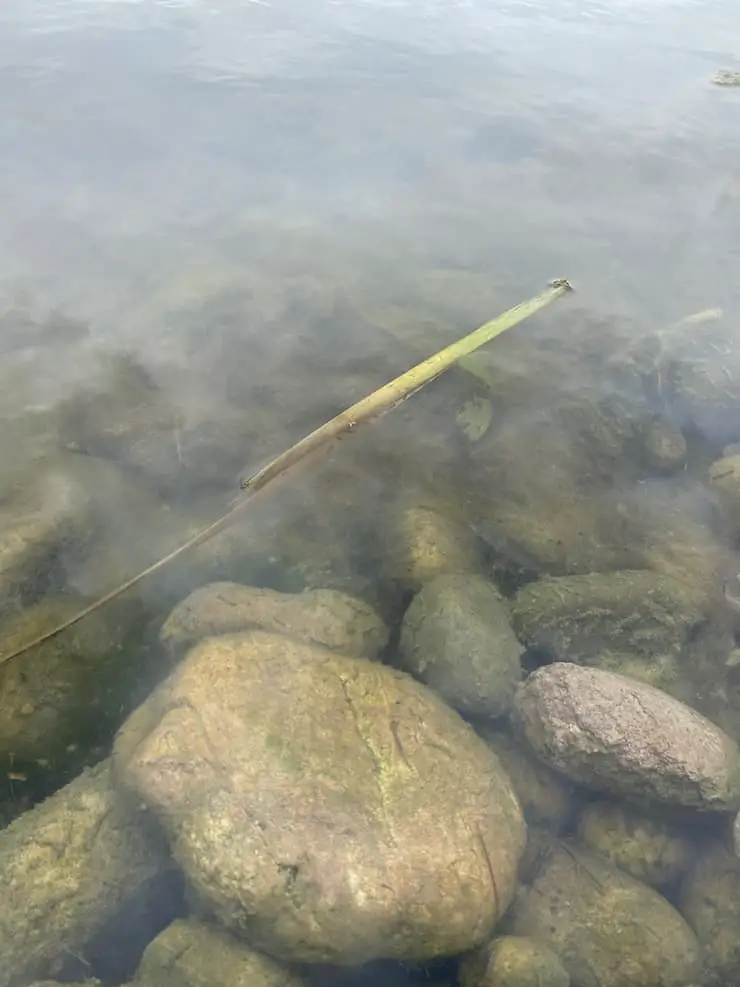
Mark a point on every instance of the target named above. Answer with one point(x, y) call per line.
point(709, 899)
point(629, 611)
point(648, 848)
point(615, 734)
point(323, 616)
point(543, 793)
point(513, 961)
point(194, 954)
point(724, 479)
point(456, 637)
point(70, 866)
point(664, 446)
point(608, 929)
point(51, 697)
point(422, 543)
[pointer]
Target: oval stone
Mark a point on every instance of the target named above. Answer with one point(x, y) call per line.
point(619, 735)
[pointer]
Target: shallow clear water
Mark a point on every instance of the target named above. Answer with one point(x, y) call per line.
point(535, 139)
point(275, 205)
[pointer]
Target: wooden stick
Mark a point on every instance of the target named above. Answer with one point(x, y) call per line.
point(378, 403)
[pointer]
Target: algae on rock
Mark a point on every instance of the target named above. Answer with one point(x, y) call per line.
point(325, 808)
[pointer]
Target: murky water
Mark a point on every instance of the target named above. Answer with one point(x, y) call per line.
point(222, 222)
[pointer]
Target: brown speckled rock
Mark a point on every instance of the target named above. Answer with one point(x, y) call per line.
point(617, 734)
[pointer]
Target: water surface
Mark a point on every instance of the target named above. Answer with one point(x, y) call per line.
point(275, 205)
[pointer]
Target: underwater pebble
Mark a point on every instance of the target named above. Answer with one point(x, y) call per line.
point(543, 793)
point(323, 616)
point(709, 899)
point(51, 697)
point(325, 808)
point(194, 954)
point(637, 612)
point(457, 638)
point(97, 857)
point(608, 929)
point(421, 543)
point(618, 735)
point(513, 961)
point(650, 849)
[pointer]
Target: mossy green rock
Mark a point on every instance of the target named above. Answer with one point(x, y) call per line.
point(709, 899)
point(608, 929)
point(649, 848)
point(71, 866)
point(196, 954)
point(629, 611)
point(325, 808)
point(457, 638)
point(513, 961)
point(54, 695)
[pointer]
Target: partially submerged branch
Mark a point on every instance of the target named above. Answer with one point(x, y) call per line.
point(373, 406)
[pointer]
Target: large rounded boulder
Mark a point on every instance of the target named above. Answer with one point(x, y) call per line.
point(325, 808)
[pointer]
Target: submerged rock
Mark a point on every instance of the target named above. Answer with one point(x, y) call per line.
point(709, 899)
point(664, 526)
point(663, 445)
point(724, 479)
point(648, 848)
point(325, 808)
point(627, 611)
point(608, 929)
point(70, 866)
point(55, 695)
point(127, 416)
point(456, 637)
point(322, 616)
point(513, 961)
point(421, 543)
point(691, 369)
point(616, 734)
point(194, 954)
point(543, 793)
point(50, 513)
point(562, 533)
point(58, 983)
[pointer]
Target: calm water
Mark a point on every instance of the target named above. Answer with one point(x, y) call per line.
point(317, 191)
point(529, 139)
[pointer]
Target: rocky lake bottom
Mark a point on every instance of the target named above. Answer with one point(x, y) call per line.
point(460, 705)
